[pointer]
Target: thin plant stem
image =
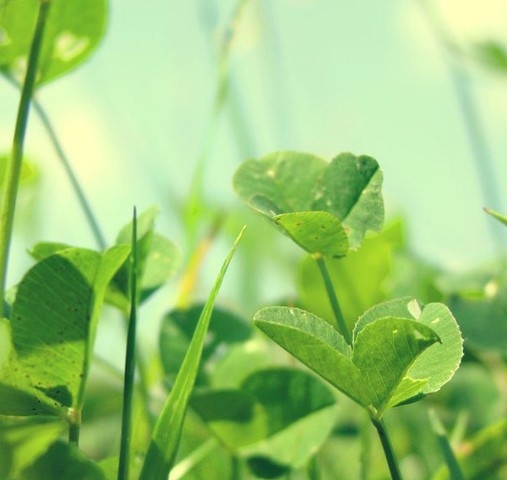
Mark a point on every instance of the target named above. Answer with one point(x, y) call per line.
point(445, 447)
point(472, 121)
point(83, 201)
point(313, 469)
point(65, 161)
point(12, 176)
point(130, 364)
point(74, 421)
point(195, 203)
point(392, 461)
point(333, 299)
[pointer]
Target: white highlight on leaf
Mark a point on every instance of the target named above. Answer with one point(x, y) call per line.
point(414, 308)
point(270, 173)
point(435, 321)
point(4, 38)
point(68, 46)
point(491, 289)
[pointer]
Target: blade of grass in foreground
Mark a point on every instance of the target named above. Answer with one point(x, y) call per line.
point(166, 436)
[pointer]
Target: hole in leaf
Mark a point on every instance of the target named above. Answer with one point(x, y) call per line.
point(68, 46)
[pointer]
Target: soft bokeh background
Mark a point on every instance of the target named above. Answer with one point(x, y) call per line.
point(322, 76)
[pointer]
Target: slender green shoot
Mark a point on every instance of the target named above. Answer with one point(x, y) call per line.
point(455, 472)
point(195, 202)
point(130, 363)
point(12, 176)
point(74, 421)
point(392, 461)
point(333, 299)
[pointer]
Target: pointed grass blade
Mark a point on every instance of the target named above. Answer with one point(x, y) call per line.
point(166, 436)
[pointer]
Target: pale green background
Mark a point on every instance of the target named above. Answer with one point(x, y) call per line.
point(323, 76)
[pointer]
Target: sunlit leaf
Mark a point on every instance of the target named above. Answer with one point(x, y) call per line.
point(348, 188)
point(53, 323)
point(63, 461)
point(263, 418)
point(372, 372)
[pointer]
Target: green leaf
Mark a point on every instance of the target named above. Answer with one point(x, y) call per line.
point(317, 232)
point(53, 323)
point(29, 173)
point(372, 373)
point(436, 365)
point(349, 188)
point(501, 218)
point(287, 181)
point(177, 329)
point(63, 461)
point(166, 435)
point(493, 55)
point(73, 31)
point(357, 279)
point(158, 260)
point(22, 441)
point(263, 418)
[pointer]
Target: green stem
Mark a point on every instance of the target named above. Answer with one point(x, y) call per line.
point(11, 183)
point(64, 159)
point(74, 420)
point(130, 363)
point(445, 447)
point(195, 202)
point(392, 462)
point(83, 201)
point(333, 299)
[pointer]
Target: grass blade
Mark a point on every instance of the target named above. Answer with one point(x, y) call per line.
point(166, 436)
point(130, 363)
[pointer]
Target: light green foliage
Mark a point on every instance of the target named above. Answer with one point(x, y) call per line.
point(63, 461)
point(316, 232)
point(177, 328)
point(158, 261)
point(440, 361)
point(166, 435)
point(275, 416)
point(348, 188)
point(74, 29)
point(53, 322)
point(493, 55)
point(485, 455)
point(358, 279)
point(21, 442)
point(381, 369)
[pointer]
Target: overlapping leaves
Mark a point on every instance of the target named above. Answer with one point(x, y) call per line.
point(386, 364)
point(326, 208)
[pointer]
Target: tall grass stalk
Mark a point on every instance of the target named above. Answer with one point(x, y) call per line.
point(12, 176)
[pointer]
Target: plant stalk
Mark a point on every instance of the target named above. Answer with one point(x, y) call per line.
point(392, 461)
point(82, 199)
point(130, 364)
point(11, 182)
point(333, 299)
point(74, 420)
